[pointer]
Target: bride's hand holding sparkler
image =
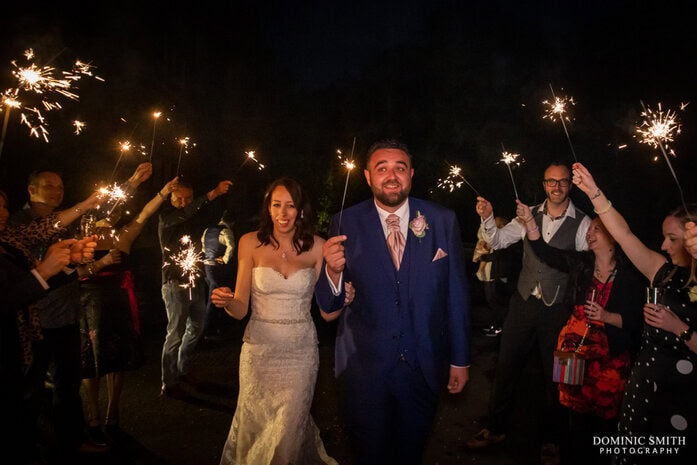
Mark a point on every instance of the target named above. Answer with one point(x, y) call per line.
point(484, 208)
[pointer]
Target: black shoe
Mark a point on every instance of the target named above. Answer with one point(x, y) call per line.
point(484, 439)
point(96, 436)
point(174, 391)
point(90, 448)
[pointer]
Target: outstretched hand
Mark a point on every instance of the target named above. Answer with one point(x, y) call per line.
point(523, 212)
point(583, 179)
point(484, 208)
point(141, 174)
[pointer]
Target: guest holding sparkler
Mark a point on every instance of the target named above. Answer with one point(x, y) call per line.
point(23, 282)
point(184, 293)
point(498, 271)
point(658, 398)
point(278, 266)
point(404, 340)
point(110, 321)
point(605, 290)
point(56, 360)
point(537, 311)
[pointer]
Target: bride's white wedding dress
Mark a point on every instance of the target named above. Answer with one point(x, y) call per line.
point(278, 369)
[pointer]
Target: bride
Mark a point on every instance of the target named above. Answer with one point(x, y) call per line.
point(278, 266)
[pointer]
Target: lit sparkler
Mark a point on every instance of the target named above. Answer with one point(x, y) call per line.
point(558, 111)
point(156, 115)
point(251, 155)
point(188, 259)
point(455, 179)
point(658, 129)
point(79, 126)
point(46, 82)
point(183, 144)
point(349, 164)
point(124, 146)
point(509, 159)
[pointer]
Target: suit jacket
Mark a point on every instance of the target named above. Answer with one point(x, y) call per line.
point(420, 313)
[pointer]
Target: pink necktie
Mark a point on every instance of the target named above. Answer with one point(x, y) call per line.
point(395, 239)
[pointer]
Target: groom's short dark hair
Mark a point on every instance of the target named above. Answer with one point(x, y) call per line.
point(386, 144)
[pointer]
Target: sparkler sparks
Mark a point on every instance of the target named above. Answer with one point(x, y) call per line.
point(511, 159)
point(557, 110)
point(455, 179)
point(79, 126)
point(658, 129)
point(44, 86)
point(183, 144)
point(251, 155)
point(188, 260)
point(349, 164)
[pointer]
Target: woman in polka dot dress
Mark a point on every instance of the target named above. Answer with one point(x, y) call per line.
point(658, 419)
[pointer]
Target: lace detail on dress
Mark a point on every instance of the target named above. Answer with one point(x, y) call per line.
point(278, 371)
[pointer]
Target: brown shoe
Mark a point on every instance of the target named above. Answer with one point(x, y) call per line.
point(484, 439)
point(175, 391)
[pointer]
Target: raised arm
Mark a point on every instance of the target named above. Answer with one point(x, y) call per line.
point(647, 261)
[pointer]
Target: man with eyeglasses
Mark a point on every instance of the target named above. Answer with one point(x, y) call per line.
point(537, 312)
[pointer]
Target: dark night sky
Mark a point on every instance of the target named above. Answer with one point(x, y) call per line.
point(454, 79)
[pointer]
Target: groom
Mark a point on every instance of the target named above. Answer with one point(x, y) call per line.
point(406, 335)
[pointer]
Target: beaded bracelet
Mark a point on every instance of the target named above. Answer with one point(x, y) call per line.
point(604, 210)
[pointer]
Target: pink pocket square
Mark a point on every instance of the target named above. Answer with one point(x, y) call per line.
point(439, 254)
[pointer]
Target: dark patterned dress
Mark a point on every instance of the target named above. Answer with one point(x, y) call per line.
point(660, 396)
point(109, 323)
point(606, 374)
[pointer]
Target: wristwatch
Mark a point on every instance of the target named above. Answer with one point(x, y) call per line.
point(686, 335)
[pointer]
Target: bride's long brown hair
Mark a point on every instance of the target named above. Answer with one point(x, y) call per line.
point(303, 238)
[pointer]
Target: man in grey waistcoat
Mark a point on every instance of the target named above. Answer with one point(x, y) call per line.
point(537, 312)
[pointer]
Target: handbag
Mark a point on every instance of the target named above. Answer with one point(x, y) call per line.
point(569, 367)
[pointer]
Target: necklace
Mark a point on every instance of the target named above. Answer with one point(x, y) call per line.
point(284, 254)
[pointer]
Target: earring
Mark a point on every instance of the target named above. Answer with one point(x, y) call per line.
point(302, 214)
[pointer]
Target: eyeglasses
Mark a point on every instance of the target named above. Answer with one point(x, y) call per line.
point(557, 182)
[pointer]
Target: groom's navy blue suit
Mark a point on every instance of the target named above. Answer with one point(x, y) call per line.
point(397, 339)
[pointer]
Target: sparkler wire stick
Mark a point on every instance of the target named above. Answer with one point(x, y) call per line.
point(349, 167)
point(456, 172)
point(182, 142)
point(124, 147)
point(660, 128)
point(509, 158)
point(155, 115)
point(559, 108)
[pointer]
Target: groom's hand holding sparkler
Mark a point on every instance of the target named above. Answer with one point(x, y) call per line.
point(333, 253)
point(484, 208)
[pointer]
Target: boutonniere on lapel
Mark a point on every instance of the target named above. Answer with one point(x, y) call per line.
point(418, 225)
point(692, 294)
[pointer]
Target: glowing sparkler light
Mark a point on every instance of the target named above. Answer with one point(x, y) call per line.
point(349, 164)
point(455, 179)
point(183, 144)
point(156, 115)
point(511, 159)
point(558, 111)
point(188, 260)
point(45, 83)
point(79, 126)
point(251, 155)
point(658, 129)
point(124, 146)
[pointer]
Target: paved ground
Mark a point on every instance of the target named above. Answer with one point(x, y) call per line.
point(163, 431)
